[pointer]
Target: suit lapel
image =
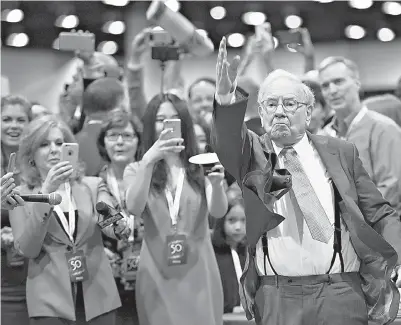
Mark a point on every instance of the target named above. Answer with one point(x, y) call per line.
point(84, 204)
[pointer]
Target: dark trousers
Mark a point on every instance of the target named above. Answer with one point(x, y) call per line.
point(105, 319)
point(335, 299)
point(14, 313)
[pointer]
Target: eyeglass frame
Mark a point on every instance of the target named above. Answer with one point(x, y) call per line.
point(120, 134)
point(262, 106)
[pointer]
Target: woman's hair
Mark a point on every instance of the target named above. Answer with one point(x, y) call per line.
point(193, 172)
point(35, 133)
point(118, 118)
point(219, 238)
point(199, 120)
point(17, 100)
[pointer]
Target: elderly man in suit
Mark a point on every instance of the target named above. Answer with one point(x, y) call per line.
point(322, 241)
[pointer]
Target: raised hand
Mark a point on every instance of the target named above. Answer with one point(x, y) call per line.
point(226, 73)
point(216, 175)
point(164, 146)
point(57, 175)
point(7, 186)
point(140, 45)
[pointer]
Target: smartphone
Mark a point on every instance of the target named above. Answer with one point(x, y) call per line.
point(286, 37)
point(11, 163)
point(174, 124)
point(70, 152)
point(73, 41)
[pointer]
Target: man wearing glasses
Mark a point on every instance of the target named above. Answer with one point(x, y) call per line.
point(322, 241)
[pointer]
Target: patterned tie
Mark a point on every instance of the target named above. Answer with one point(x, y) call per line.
point(315, 216)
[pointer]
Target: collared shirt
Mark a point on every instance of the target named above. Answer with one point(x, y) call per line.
point(292, 250)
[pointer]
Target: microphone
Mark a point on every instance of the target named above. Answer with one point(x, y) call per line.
point(110, 214)
point(180, 28)
point(52, 198)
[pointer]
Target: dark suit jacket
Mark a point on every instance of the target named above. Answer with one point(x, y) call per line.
point(375, 228)
point(49, 290)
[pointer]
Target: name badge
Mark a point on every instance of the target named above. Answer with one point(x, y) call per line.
point(77, 268)
point(131, 265)
point(177, 249)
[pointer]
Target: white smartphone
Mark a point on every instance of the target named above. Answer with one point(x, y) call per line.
point(174, 124)
point(70, 152)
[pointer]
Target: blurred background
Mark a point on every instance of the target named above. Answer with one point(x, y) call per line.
point(368, 32)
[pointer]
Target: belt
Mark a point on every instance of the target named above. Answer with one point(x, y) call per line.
point(279, 280)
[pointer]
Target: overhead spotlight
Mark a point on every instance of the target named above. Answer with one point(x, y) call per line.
point(360, 4)
point(355, 32)
point(218, 12)
point(174, 5)
point(67, 21)
point(114, 27)
point(385, 34)
point(236, 40)
point(116, 3)
point(14, 16)
point(108, 47)
point(324, 1)
point(202, 32)
point(254, 18)
point(17, 40)
point(293, 21)
point(391, 8)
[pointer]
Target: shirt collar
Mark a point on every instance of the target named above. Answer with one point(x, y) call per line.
point(299, 147)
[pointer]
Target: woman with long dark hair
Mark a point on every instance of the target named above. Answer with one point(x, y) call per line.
point(178, 281)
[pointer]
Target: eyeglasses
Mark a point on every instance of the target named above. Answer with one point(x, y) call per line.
point(127, 137)
point(290, 105)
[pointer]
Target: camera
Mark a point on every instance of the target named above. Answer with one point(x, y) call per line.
point(163, 46)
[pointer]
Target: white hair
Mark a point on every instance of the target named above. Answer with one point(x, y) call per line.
point(282, 74)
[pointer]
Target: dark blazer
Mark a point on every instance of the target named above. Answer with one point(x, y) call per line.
point(49, 290)
point(375, 228)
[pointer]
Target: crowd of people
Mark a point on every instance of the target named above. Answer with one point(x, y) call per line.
point(237, 224)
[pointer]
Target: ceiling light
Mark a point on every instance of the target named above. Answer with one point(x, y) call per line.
point(293, 21)
point(236, 40)
point(174, 5)
point(360, 4)
point(14, 16)
point(324, 1)
point(355, 32)
point(17, 40)
point(385, 34)
point(218, 12)
point(108, 47)
point(391, 8)
point(67, 21)
point(114, 27)
point(117, 3)
point(254, 18)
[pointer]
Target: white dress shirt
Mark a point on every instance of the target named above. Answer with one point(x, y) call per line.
point(292, 250)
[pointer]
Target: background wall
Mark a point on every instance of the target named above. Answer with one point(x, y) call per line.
point(40, 74)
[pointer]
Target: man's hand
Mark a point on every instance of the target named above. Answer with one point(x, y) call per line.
point(226, 73)
point(139, 46)
point(306, 48)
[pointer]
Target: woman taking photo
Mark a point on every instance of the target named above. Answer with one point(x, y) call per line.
point(178, 281)
point(15, 116)
point(69, 275)
point(118, 143)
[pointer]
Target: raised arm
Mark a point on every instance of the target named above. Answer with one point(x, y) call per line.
point(229, 133)
point(134, 73)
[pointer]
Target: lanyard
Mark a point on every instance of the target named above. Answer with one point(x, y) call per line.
point(69, 226)
point(174, 205)
point(237, 264)
point(115, 191)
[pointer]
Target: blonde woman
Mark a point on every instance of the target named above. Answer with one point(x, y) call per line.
point(54, 239)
